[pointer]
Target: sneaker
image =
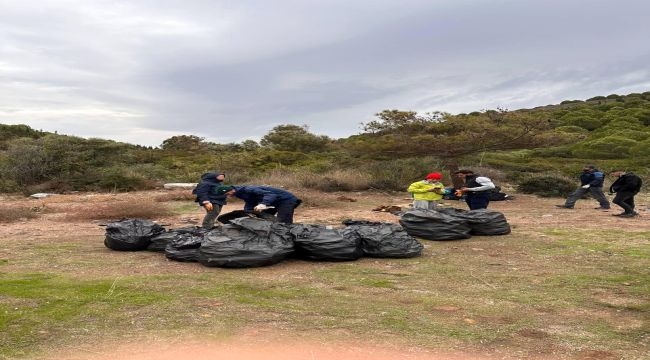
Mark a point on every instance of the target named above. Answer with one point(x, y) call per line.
point(630, 215)
point(564, 206)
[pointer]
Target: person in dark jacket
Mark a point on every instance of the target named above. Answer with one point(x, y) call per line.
point(591, 181)
point(625, 187)
point(476, 189)
point(206, 196)
point(265, 198)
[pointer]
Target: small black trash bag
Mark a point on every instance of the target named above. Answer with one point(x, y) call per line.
point(434, 225)
point(318, 242)
point(160, 241)
point(185, 246)
point(482, 221)
point(246, 242)
point(385, 240)
point(131, 234)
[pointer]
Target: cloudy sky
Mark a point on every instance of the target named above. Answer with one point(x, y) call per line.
point(142, 71)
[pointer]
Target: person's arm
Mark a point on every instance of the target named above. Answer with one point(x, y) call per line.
point(486, 184)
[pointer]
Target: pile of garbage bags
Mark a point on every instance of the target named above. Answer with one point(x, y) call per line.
point(244, 241)
point(453, 224)
point(252, 242)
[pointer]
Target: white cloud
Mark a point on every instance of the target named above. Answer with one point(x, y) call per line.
point(144, 71)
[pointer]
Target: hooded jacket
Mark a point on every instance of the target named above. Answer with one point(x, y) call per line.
point(594, 178)
point(206, 189)
point(269, 196)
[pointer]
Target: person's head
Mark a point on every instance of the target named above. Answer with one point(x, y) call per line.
point(463, 173)
point(589, 168)
point(219, 176)
point(227, 190)
point(617, 173)
point(434, 176)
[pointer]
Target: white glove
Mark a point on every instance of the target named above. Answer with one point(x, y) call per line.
point(585, 186)
point(260, 207)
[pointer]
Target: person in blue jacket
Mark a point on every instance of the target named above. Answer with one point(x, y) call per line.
point(265, 198)
point(206, 196)
point(591, 181)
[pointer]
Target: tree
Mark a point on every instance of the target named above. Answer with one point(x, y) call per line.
point(294, 138)
point(453, 137)
point(184, 143)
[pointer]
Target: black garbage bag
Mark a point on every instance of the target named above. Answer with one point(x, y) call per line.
point(385, 240)
point(246, 242)
point(482, 221)
point(434, 225)
point(160, 241)
point(131, 234)
point(267, 214)
point(185, 246)
point(318, 242)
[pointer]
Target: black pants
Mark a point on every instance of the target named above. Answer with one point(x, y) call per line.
point(477, 200)
point(625, 199)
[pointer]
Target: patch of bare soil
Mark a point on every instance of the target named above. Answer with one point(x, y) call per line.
point(263, 349)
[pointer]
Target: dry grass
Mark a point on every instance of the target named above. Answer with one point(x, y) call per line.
point(175, 195)
point(119, 210)
point(11, 213)
point(336, 180)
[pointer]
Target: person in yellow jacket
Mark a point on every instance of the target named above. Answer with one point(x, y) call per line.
point(427, 193)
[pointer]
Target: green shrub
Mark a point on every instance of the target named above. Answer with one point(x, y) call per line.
point(547, 186)
point(397, 174)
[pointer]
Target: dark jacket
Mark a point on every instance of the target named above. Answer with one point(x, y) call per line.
point(470, 182)
point(628, 182)
point(269, 196)
point(594, 178)
point(206, 189)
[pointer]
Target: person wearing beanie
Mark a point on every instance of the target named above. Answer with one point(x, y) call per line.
point(207, 196)
point(427, 193)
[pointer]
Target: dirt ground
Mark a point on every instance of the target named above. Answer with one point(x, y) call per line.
point(525, 212)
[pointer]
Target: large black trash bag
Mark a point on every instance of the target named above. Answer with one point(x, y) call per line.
point(482, 221)
point(236, 214)
point(385, 240)
point(246, 242)
point(318, 242)
point(131, 234)
point(434, 225)
point(185, 246)
point(160, 241)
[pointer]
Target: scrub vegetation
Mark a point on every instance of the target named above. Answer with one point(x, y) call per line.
point(396, 148)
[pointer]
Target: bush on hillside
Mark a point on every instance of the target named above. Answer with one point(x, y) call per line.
point(547, 186)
